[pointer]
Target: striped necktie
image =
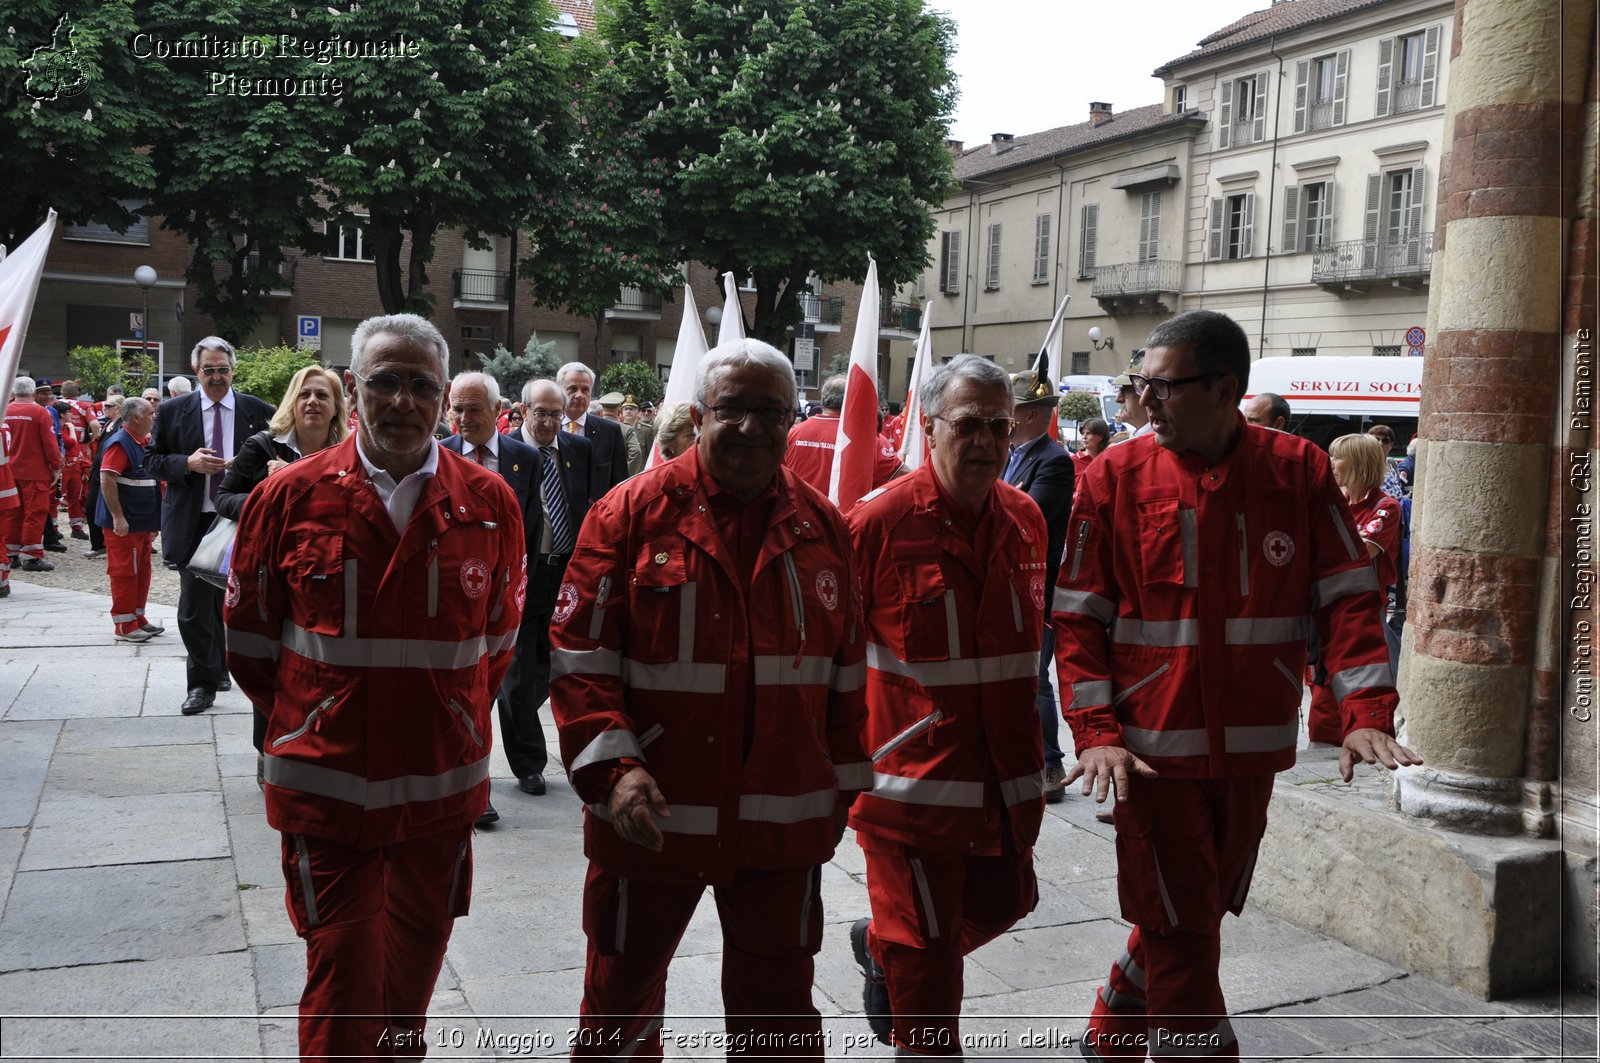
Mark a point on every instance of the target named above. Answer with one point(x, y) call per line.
point(555, 504)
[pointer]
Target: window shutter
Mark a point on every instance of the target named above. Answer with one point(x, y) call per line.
point(1224, 126)
point(1430, 65)
point(1149, 225)
point(1247, 232)
point(950, 271)
point(1291, 219)
point(1369, 230)
point(1341, 80)
point(1302, 76)
point(1091, 225)
point(1219, 210)
point(1385, 74)
point(1259, 133)
point(1328, 188)
point(1414, 215)
point(1041, 248)
point(992, 273)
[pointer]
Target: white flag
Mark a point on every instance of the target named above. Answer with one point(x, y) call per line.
point(732, 326)
point(1048, 364)
point(855, 449)
point(19, 283)
point(685, 365)
point(913, 445)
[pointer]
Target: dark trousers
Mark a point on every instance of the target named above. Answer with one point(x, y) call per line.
point(200, 625)
point(1049, 711)
point(527, 684)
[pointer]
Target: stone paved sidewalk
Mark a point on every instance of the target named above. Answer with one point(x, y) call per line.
point(143, 911)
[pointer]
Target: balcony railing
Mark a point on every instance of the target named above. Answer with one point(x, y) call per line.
point(482, 285)
point(1408, 258)
point(1319, 115)
point(892, 314)
point(1138, 278)
point(1407, 96)
point(638, 301)
point(822, 309)
point(285, 270)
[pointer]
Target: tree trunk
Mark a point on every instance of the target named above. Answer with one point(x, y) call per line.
point(419, 300)
point(383, 230)
point(599, 336)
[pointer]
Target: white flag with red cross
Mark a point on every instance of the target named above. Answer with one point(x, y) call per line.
point(19, 284)
point(913, 444)
point(855, 449)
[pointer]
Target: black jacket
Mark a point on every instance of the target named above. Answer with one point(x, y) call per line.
point(249, 468)
point(179, 432)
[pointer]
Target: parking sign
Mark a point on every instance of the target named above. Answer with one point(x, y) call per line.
point(311, 331)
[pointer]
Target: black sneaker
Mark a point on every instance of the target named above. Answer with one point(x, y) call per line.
point(79, 533)
point(874, 992)
point(34, 564)
point(57, 547)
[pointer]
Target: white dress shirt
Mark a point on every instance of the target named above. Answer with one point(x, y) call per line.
point(206, 416)
point(400, 499)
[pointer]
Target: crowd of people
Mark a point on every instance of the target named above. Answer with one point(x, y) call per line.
point(737, 667)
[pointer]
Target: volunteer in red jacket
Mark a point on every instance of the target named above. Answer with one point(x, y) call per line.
point(1196, 560)
point(811, 444)
point(372, 608)
point(35, 460)
point(10, 505)
point(707, 682)
point(953, 569)
point(129, 508)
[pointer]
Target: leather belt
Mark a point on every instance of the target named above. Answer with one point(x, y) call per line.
point(554, 559)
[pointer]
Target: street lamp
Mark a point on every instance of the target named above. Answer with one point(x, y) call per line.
point(713, 316)
point(146, 277)
point(1100, 340)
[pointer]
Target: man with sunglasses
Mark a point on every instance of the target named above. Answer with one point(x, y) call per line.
point(373, 606)
point(1197, 559)
point(707, 685)
point(953, 566)
point(195, 439)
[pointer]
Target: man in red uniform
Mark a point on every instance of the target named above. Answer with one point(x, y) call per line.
point(707, 682)
point(953, 563)
point(10, 503)
point(35, 461)
point(1196, 560)
point(79, 453)
point(811, 444)
point(371, 612)
point(129, 509)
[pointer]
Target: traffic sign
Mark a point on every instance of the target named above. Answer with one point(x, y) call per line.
point(1416, 336)
point(136, 323)
point(1414, 351)
point(310, 331)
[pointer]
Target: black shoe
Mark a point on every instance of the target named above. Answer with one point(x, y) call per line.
point(79, 533)
point(533, 784)
point(173, 565)
point(489, 816)
point(225, 683)
point(1055, 784)
point(874, 993)
point(34, 564)
point(199, 700)
point(5, 590)
point(57, 547)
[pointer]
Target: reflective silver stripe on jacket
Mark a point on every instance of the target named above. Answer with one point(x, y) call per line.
point(1189, 533)
point(249, 644)
point(1023, 788)
point(856, 776)
point(963, 671)
point(685, 819)
point(1342, 526)
point(1131, 631)
point(8, 492)
point(125, 482)
point(383, 793)
point(1192, 742)
point(680, 676)
point(1348, 681)
point(1085, 603)
point(1350, 581)
point(585, 662)
point(390, 653)
point(849, 677)
point(607, 745)
point(779, 670)
point(775, 808)
point(1266, 630)
point(1092, 692)
point(946, 792)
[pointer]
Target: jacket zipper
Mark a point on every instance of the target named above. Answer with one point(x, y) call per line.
point(312, 723)
point(472, 728)
point(1297, 682)
point(433, 578)
point(1244, 558)
point(650, 734)
point(261, 591)
point(907, 735)
point(597, 618)
point(1077, 554)
point(1016, 604)
point(1122, 695)
point(799, 606)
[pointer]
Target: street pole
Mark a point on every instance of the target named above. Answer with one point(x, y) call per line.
point(146, 277)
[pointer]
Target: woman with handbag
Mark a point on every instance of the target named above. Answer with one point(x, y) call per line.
point(311, 417)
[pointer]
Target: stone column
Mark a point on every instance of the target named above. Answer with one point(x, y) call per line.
point(1486, 608)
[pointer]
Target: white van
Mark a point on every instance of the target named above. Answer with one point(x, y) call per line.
point(1332, 396)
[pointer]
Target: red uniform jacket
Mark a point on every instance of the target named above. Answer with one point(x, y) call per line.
point(660, 657)
point(33, 452)
point(1186, 595)
point(952, 668)
point(9, 496)
point(1377, 520)
point(375, 654)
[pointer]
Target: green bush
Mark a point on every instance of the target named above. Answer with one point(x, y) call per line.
point(265, 372)
point(1077, 406)
point(97, 368)
point(511, 371)
point(638, 379)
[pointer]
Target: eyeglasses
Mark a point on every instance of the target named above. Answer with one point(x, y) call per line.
point(387, 386)
point(968, 427)
point(766, 416)
point(215, 370)
point(1162, 386)
point(544, 415)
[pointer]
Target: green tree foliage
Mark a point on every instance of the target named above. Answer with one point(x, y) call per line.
point(632, 378)
point(265, 372)
point(97, 368)
point(511, 371)
point(239, 170)
point(806, 135)
point(600, 231)
point(1076, 406)
point(70, 115)
point(462, 133)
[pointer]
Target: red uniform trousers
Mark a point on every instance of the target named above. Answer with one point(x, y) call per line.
point(74, 489)
point(24, 527)
point(375, 923)
point(128, 568)
point(1186, 850)
point(771, 932)
point(928, 911)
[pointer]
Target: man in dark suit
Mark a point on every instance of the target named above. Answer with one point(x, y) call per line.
point(473, 408)
point(1041, 467)
point(576, 382)
point(194, 441)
